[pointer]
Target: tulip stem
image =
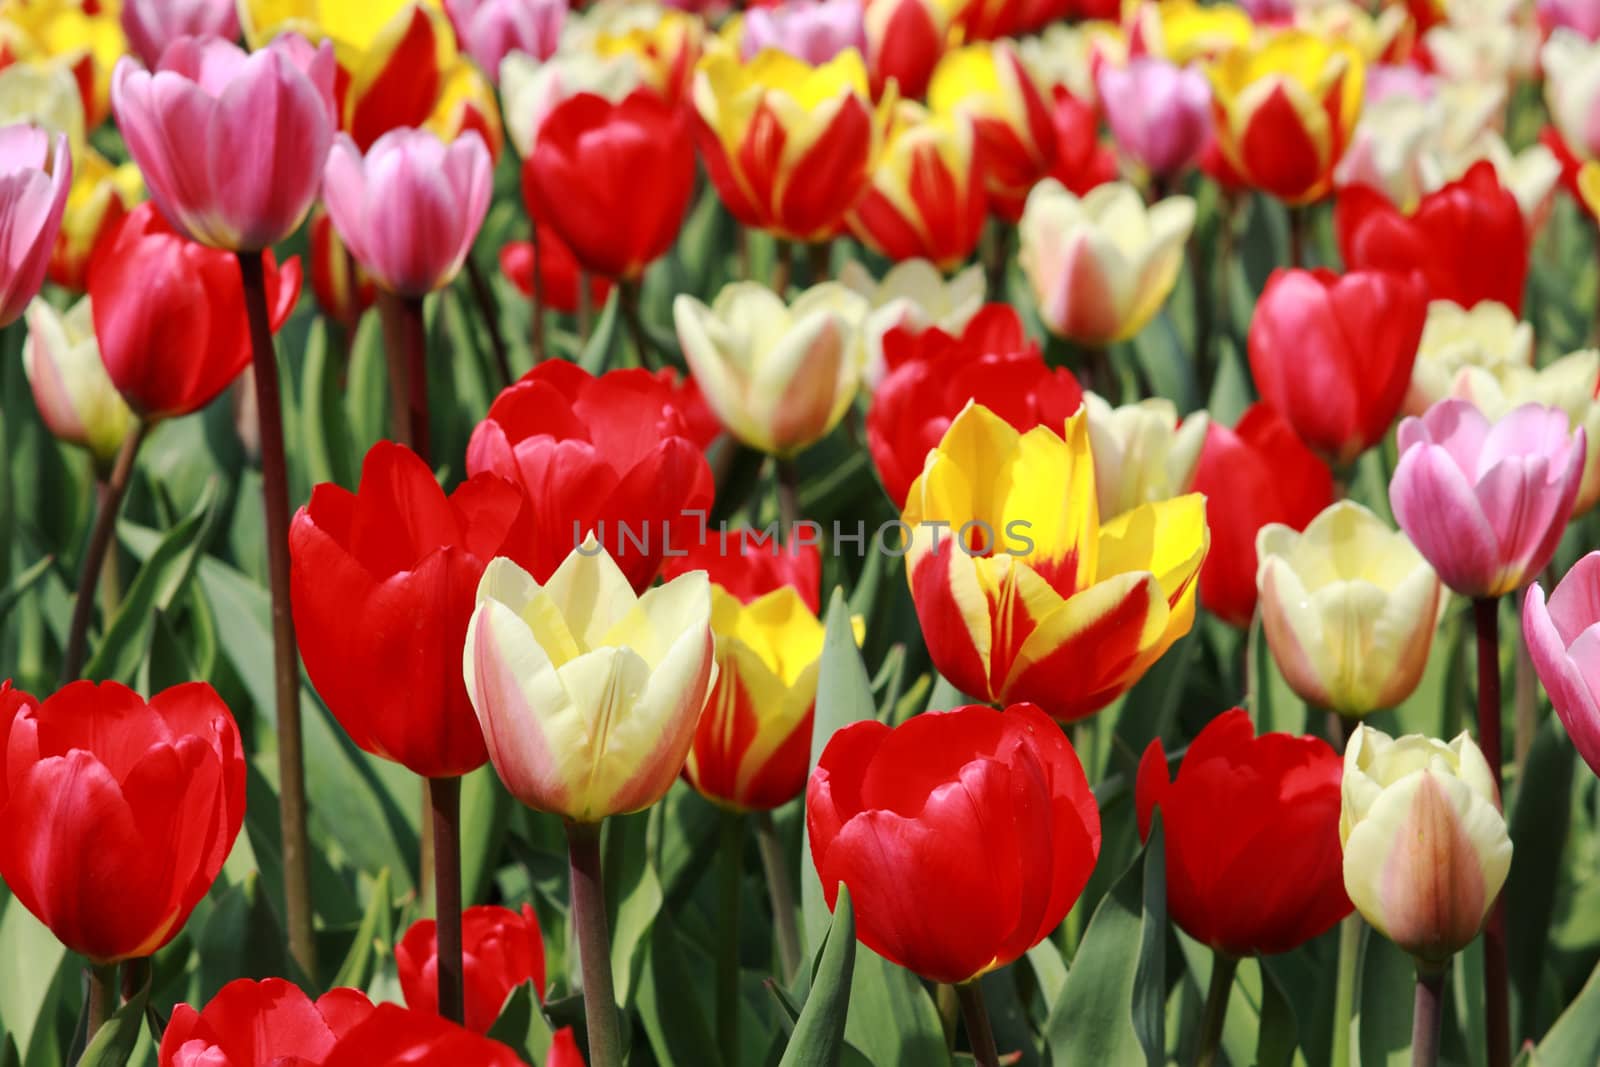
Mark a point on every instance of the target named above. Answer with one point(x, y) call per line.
point(730, 855)
point(444, 802)
point(489, 311)
point(788, 498)
point(585, 307)
point(1299, 222)
point(538, 298)
point(286, 667)
point(820, 255)
point(99, 1000)
point(782, 268)
point(781, 892)
point(976, 1017)
point(1497, 1010)
point(997, 250)
point(1344, 988)
point(1223, 967)
point(594, 944)
point(108, 494)
point(1425, 1018)
point(405, 344)
point(628, 304)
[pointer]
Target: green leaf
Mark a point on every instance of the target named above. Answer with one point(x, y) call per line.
point(23, 582)
point(633, 898)
point(366, 394)
point(29, 957)
point(669, 1004)
point(356, 970)
point(881, 990)
point(818, 1038)
point(1151, 706)
point(522, 1025)
point(485, 815)
point(112, 1045)
point(1575, 1038)
point(1539, 820)
point(606, 341)
point(1387, 989)
point(329, 453)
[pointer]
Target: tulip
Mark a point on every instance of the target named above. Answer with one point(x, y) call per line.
point(1100, 267)
point(1283, 110)
point(343, 289)
point(382, 584)
point(1561, 638)
point(1530, 175)
point(987, 813)
point(988, 84)
point(1486, 504)
point(34, 182)
point(811, 32)
point(1083, 162)
point(152, 25)
point(220, 174)
point(532, 90)
point(609, 456)
point(1387, 34)
point(905, 39)
point(502, 949)
point(1064, 58)
point(991, 363)
point(582, 179)
point(790, 147)
point(1257, 473)
point(1577, 15)
point(410, 208)
point(1141, 452)
point(490, 30)
point(913, 295)
point(43, 95)
point(926, 198)
point(116, 814)
point(1468, 238)
point(1425, 845)
point(1572, 89)
point(1022, 594)
point(558, 271)
point(100, 198)
point(1333, 354)
point(747, 571)
point(392, 1036)
point(1182, 31)
point(1348, 607)
point(779, 377)
point(1160, 113)
point(265, 1022)
point(75, 397)
point(80, 36)
point(1486, 336)
point(394, 55)
point(666, 44)
point(1250, 826)
point(588, 694)
point(170, 315)
point(467, 102)
point(1389, 146)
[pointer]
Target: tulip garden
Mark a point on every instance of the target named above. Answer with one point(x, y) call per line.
point(866, 532)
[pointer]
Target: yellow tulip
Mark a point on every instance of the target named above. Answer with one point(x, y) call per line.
point(1022, 592)
point(1373, 35)
point(101, 195)
point(74, 394)
point(1426, 849)
point(913, 295)
point(780, 377)
point(1184, 30)
point(588, 695)
point(467, 102)
point(1141, 452)
point(1348, 607)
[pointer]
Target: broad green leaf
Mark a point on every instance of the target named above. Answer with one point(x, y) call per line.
point(818, 1037)
point(1539, 820)
point(30, 956)
point(633, 898)
point(882, 990)
point(1575, 1037)
point(366, 394)
point(673, 1002)
point(1387, 987)
point(1260, 1026)
point(1150, 706)
point(329, 453)
point(522, 1025)
point(112, 1045)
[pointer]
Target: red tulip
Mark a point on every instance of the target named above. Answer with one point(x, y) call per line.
point(393, 1036)
point(748, 576)
point(700, 423)
point(559, 270)
point(1256, 473)
point(935, 375)
point(261, 1024)
point(343, 289)
point(500, 950)
point(1467, 238)
point(564, 1050)
point(1251, 826)
point(583, 179)
point(986, 815)
point(1082, 159)
point(606, 455)
point(1333, 354)
point(383, 582)
point(169, 314)
point(116, 814)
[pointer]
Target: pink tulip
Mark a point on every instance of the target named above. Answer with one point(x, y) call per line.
point(1159, 113)
point(814, 32)
point(1580, 16)
point(1486, 503)
point(1386, 79)
point(34, 181)
point(151, 25)
point(409, 211)
point(492, 29)
point(1564, 644)
point(231, 143)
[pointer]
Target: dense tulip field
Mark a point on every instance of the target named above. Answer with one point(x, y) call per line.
point(906, 533)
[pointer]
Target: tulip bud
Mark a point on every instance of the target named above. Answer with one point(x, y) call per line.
point(1349, 609)
point(101, 197)
point(1066, 56)
point(667, 44)
point(1141, 453)
point(467, 102)
point(1101, 266)
point(988, 84)
point(1160, 113)
point(588, 694)
point(35, 177)
point(913, 295)
point(395, 1035)
point(1580, 16)
point(1425, 845)
point(779, 377)
point(1487, 336)
point(75, 397)
point(500, 950)
point(1572, 89)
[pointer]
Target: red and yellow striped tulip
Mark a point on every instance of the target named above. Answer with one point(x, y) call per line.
point(66, 33)
point(1022, 593)
point(1284, 109)
point(927, 198)
point(1183, 31)
point(467, 102)
point(790, 147)
point(101, 195)
point(667, 43)
point(990, 85)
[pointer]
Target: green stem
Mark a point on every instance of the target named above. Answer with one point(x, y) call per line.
point(788, 498)
point(997, 252)
point(585, 306)
point(99, 1001)
point(489, 312)
point(444, 796)
point(1223, 967)
point(782, 268)
point(628, 304)
point(976, 1017)
point(1496, 996)
point(820, 257)
point(108, 494)
point(780, 889)
point(729, 857)
point(1299, 224)
point(948, 1003)
point(1425, 1018)
point(594, 944)
point(1344, 989)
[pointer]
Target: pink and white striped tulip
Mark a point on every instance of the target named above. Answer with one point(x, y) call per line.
point(812, 31)
point(490, 30)
point(1159, 112)
point(1564, 643)
point(410, 209)
point(231, 143)
point(1486, 503)
point(152, 25)
point(35, 177)
point(588, 694)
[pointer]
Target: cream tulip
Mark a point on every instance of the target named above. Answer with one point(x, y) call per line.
point(1348, 608)
point(1572, 89)
point(1487, 336)
point(1142, 453)
point(530, 90)
point(74, 394)
point(1101, 266)
point(1426, 849)
point(913, 295)
point(588, 695)
point(780, 377)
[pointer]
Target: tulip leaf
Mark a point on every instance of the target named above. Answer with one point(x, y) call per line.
point(1150, 707)
point(329, 454)
point(818, 1038)
point(24, 582)
point(522, 1025)
point(882, 990)
point(606, 340)
point(634, 898)
point(669, 1003)
point(29, 957)
point(1260, 1025)
point(366, 393)
point(358, 963)
point(1386, 987)
point(1575, 1037)
point(1539, 823)
point(112, 1045)
point(485, 817)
